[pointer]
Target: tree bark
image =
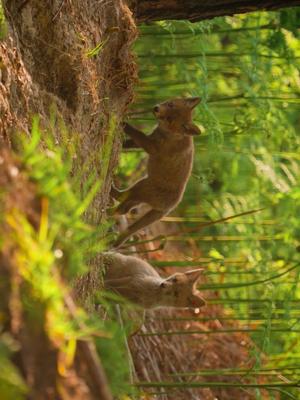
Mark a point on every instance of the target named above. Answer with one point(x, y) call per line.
point(197, 10)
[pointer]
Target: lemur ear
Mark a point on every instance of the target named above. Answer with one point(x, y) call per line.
point(191, 129)
point(172, 278)
point(165, 283)
point(194, 275)
point(192, 102)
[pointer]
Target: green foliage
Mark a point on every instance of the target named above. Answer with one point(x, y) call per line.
point(50, 168)
point(11, 384)
point(113, 351)
point(3, 25)
point(290, 19)
point(48, 260)
point(246, 69)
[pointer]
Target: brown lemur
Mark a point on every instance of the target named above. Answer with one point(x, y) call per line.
point(137, 281)
point(170, 148)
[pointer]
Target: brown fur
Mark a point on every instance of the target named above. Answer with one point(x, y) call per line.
point(140, 283)
point(170, 148)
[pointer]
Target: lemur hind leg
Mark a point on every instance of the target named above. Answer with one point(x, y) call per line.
point(126, 206)
point(147, 219)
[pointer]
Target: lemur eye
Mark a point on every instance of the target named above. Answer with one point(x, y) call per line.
point(163, 285)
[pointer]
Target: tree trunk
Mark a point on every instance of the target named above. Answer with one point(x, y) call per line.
point(197, 10)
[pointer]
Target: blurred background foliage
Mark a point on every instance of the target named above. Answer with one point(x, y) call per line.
point(3, 26)
point(246, 70)
point(49, 261)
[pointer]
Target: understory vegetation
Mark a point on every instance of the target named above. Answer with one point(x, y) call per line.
point(246, 70)
point(246, 176)
point(49, 261)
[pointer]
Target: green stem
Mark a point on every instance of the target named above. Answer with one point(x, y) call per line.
point(218, 332)
point(245, 284)
point(218, 384)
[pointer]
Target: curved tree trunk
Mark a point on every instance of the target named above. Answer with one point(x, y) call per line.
point(195, 10)
point(70, 63)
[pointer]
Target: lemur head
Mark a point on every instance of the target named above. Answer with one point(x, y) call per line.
point(175, 116)
point(179, 290)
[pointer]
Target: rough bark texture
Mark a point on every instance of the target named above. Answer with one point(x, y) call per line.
point(195, 10)
point(47, 69)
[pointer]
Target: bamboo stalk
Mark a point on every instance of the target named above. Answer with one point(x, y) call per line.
point(241, 318)
point(205, 222)
point(218, 221)
point(270, 385)
point(220, 238)
point(277, 302)
point(218, 332)
point(245, 284)
point(146, 32)
point(237, 371)
point(215, 54)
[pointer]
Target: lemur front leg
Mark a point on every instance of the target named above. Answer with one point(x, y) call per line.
point(139, 138)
